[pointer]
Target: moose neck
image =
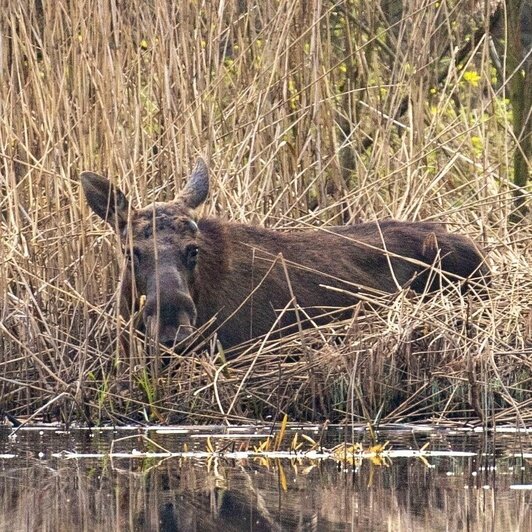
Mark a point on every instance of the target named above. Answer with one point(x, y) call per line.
point(214, 264)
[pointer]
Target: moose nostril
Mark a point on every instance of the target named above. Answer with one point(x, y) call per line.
point(183, 333)
point(169, 318)
point(170, 338)
point(169, 344)
point(178, 309)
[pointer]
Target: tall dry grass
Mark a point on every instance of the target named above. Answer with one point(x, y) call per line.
point(310, 113)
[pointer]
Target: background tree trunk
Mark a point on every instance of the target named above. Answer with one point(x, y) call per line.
point(519, 70)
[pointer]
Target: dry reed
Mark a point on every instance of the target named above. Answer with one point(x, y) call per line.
point(301, 109)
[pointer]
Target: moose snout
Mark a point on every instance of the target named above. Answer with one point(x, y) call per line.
point(169, 320)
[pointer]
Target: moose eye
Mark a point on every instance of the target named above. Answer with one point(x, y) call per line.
point(191, 256)
point(193, 226)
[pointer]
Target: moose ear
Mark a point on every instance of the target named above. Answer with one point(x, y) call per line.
point(197, 187)
point(106, 200)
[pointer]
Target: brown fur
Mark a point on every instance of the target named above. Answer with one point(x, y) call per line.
point(244, 275)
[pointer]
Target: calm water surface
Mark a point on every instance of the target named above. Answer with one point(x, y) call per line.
point(200, 479)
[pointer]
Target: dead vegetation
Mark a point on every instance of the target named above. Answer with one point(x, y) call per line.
point(310, 113)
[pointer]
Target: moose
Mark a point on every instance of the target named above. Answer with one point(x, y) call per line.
point(185, 274)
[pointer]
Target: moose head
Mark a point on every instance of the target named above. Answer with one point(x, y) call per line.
point(162, 250)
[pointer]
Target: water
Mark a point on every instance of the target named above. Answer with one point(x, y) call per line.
point(207, 478)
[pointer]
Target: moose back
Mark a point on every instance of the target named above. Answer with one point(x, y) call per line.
point(246, 281)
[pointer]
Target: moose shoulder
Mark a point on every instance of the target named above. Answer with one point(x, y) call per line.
point(248, 281)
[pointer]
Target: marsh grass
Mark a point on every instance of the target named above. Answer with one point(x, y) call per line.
point(300, 107)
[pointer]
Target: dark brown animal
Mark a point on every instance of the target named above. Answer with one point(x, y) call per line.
point(251, 281)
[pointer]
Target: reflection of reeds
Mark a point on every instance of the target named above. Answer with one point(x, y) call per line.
point(299, 108)
point(128, 495)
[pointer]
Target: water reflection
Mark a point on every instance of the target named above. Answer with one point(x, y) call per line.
point(447, 493)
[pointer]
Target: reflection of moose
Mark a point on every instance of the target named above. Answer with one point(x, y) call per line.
point(248, 280)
